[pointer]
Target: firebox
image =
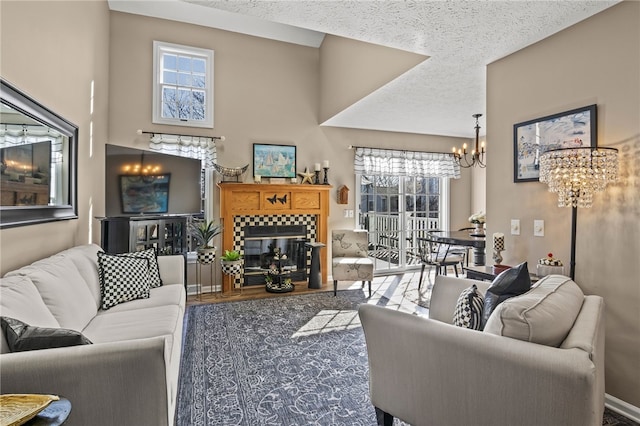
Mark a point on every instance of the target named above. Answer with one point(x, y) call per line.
point(260, 243)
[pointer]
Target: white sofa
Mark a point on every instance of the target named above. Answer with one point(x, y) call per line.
point(427, 371)
point(129, 375)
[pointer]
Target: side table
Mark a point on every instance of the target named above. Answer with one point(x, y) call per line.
point(315, 278)
point(55, 414)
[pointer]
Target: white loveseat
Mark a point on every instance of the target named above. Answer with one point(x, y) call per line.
point(129, 375)
point(427, 371)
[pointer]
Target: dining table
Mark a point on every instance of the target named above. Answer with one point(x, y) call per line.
point(466, 238)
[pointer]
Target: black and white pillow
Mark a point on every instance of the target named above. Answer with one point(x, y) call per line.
point(468, 312)
point(154, 272)
point(122, 278)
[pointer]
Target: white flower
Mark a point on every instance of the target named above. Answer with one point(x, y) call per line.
point(479, 217)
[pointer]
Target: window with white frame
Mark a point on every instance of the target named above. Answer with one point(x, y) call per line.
point(182, 85)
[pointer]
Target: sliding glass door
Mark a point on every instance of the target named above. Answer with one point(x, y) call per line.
point(396, 210)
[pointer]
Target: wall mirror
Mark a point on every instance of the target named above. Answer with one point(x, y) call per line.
point(38, 162)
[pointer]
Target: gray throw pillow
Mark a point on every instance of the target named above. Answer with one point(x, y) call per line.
point(23, 337)
point(512, 282)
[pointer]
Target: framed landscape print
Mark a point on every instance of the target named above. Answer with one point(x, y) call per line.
point(570, 129)
point(145, 193)
point(274, 161)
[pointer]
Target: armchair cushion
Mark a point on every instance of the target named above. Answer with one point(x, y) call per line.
point(512, 282)
point(468, 313)
point(544, 315)
point(24, 337)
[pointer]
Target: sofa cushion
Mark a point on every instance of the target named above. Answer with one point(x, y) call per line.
point(62, 289)
point(544, 315)
point(122, 278)
point(159, 296)
point(24, 337)
point(468, 313)
point(110, 326)
point(509, 283)
point(154, 272)
point(86, 260)
point(19, 298)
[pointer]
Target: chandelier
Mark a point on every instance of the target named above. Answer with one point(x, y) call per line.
point(477, 154)
point(575, 174)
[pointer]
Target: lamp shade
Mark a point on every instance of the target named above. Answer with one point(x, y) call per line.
point(575, 174)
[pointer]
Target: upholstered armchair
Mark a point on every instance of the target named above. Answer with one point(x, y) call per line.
point(350, 257)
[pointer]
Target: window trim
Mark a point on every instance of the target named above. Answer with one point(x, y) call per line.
point(160, 48)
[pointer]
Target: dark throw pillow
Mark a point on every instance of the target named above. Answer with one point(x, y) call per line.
point(512, 282)
point(23, 337)
point(122, 278)
point(468, 313)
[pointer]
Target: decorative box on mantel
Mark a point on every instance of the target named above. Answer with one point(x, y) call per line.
point(242, 203)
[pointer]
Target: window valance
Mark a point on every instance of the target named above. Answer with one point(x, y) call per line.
point(201, 147)
point(405, 163)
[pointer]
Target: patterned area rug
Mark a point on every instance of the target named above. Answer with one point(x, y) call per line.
point(279, 361)
point(290, 360)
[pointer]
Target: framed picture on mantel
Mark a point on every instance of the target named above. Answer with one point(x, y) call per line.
point(274, 161)
point(570, 129)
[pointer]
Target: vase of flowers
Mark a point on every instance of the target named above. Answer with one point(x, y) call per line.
point(478, 220)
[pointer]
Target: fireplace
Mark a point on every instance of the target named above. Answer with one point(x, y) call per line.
point(260, 244)
point(247, 205)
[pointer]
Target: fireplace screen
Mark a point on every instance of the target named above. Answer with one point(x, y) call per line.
point(260, 243)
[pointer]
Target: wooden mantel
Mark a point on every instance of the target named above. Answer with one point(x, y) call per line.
point(250, 199)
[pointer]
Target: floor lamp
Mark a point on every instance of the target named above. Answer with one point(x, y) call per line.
point(575, 174)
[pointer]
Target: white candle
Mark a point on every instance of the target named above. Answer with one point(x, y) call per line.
point(257, 178)
point(325, 164)
point(317, 167)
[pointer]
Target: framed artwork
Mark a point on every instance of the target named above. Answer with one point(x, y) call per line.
point(569, 129)
point(274, 161)
point(145, 193)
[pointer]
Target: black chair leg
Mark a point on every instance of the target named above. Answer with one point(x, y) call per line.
point(369, 287)
point(421, 274)
point(335, 287)
point(383, 418)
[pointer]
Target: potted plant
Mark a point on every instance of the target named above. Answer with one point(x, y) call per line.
point(231, 262)
point(203, 232)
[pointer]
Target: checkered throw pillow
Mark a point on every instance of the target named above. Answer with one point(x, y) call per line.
point(154, 272)
point(122, 278)
point(468, 312)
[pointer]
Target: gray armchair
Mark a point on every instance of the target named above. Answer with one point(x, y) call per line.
point(350, 257)
point(427, 371)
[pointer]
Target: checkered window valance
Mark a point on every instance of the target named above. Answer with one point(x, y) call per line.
point(377, 161)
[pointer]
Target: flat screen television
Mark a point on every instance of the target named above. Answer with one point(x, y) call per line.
point(146, 182)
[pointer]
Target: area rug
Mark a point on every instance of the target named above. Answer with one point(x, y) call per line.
point(290, 360)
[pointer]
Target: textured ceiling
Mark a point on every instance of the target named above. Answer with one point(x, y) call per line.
point(461, 38)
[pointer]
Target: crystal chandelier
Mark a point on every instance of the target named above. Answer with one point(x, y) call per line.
point(575, 174)
point(477, 154)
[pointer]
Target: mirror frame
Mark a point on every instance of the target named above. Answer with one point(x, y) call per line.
point(21, 216)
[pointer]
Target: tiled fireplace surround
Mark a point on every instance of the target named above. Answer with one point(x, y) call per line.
point(243, 224)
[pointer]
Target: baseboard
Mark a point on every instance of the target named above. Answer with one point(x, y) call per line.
point(624, 408)
point(192, 289)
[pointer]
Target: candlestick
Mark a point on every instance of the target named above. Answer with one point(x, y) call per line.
point(498, 246)
point(326, 176)
point(317, 181)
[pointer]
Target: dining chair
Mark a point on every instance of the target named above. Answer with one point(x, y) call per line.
point(350, 259)
point(437, 253)
point(462, 250)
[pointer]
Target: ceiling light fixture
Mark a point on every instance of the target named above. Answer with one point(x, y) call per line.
point(477, 154)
